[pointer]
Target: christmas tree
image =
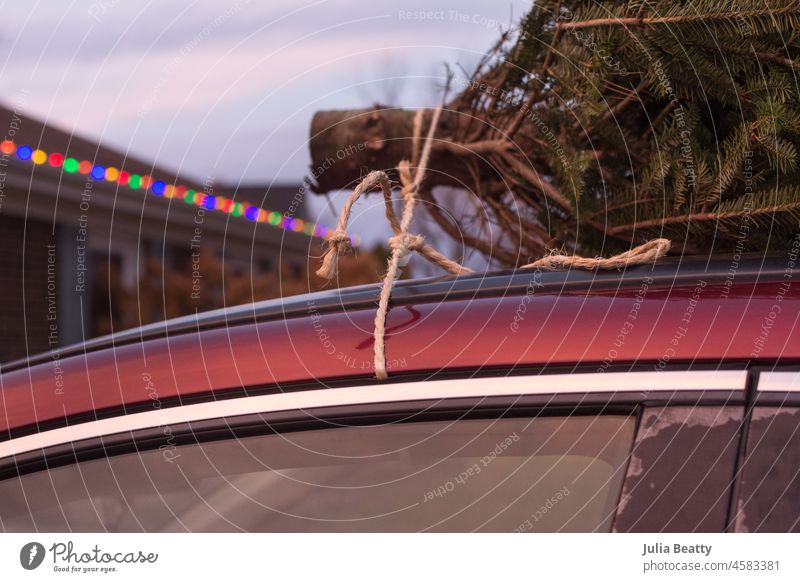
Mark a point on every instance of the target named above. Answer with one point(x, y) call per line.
point(595, 126)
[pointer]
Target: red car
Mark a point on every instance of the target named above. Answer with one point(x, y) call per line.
point(661, 398)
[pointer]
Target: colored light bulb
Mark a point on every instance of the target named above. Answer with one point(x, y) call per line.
point(135, 181)
point(8, 147)
point(112, 174)
point(98, 172)
point(39, 157)
point(209, 202)
point(124, 178)
point(85, 167)
point(56, 160)
point(158, 187)
point(70, 165)
point(252, 213)
point(24, 153)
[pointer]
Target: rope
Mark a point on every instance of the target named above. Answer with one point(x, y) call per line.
point(647, 253)
point(402, 243)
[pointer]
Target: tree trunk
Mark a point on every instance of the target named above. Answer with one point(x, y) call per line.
point(346, 145)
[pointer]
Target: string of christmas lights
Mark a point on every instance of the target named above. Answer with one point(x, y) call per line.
point(159, 188)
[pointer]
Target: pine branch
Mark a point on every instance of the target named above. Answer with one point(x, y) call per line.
point(679, 18)
point(788, 207)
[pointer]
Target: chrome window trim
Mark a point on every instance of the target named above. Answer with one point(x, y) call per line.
point(779, 382)
point(544, 384)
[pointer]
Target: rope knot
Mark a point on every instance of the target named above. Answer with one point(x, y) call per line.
point(340, 240)
point(403, 243)
point(338, 243)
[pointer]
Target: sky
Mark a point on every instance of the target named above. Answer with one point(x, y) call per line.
point(227, 89)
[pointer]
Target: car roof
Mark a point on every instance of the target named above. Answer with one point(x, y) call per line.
point(668, 272)
point(520, 322)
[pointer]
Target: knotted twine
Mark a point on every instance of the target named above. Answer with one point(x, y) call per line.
point(402, 242)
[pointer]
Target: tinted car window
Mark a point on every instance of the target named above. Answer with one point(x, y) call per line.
point(512, 474)
point(769, 495)
point(682, 470)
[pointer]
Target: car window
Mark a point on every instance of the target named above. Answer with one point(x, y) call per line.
point(682, 470)
point(769, 492)
point(510, 474)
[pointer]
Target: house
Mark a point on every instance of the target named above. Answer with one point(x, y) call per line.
point(95, 240)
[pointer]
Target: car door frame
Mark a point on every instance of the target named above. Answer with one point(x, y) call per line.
point(581, 390)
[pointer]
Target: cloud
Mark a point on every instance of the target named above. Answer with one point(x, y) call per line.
point(182, 81)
